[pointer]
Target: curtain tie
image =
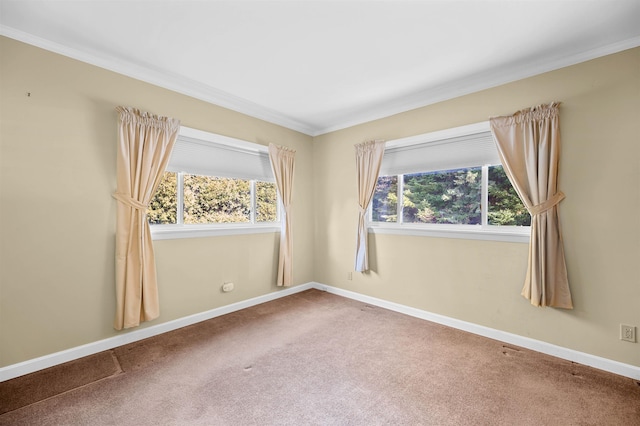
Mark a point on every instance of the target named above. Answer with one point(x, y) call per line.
point(125, 199)
point(543, 207)
point(362, 210)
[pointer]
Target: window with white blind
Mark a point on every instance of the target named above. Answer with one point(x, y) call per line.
point(214, 185)
point(448, 183)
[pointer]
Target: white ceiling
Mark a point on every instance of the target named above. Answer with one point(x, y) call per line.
point(318, 66)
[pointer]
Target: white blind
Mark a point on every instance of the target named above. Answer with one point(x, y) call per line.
point(202, 153)
point(441, 151)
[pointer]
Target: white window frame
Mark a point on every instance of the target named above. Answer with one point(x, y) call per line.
point(182, 230)
point(484, 231)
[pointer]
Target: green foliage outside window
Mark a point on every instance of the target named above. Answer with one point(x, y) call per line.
point(216, 200)
point(385, 200)
point(449, 197)
point(162, 208)
point(212, 200)
point(505, 207)
point(266, 202)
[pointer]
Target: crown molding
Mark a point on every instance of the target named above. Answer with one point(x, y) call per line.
point(165, 80)
point(477, 82)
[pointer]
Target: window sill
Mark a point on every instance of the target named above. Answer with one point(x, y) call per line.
point(467, 232)
point(171, 232)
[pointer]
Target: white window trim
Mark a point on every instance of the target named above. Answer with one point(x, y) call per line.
point(170, 232)
point(515, 234)
point(181, 230)
point(518, 234)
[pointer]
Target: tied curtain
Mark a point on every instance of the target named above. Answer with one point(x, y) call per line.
point(529, 147)
point(145, 142)
point(368, 160)
point(282, 163)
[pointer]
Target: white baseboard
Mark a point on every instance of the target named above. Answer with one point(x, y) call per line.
point(600, 363)
point(36, 364)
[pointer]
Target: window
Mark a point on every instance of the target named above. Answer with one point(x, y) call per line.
point(214, 185)
point(450, 184)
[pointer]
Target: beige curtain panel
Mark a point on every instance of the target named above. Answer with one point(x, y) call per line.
point(368, 160)
point(144, 147)
point(529, 148)
point(283, 163)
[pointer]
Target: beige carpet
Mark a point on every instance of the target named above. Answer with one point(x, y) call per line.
point(318, 359)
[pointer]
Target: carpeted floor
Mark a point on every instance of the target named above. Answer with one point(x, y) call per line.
point(318, 359)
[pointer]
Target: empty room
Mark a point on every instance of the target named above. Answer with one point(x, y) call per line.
point(319, 212)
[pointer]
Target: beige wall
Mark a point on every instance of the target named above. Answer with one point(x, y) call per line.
point(480, 281)
point(57, 165)
point(57, 171)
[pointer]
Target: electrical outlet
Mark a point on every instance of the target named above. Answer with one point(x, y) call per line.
point(227, 287)
point(628, 333)
point(349, 275)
